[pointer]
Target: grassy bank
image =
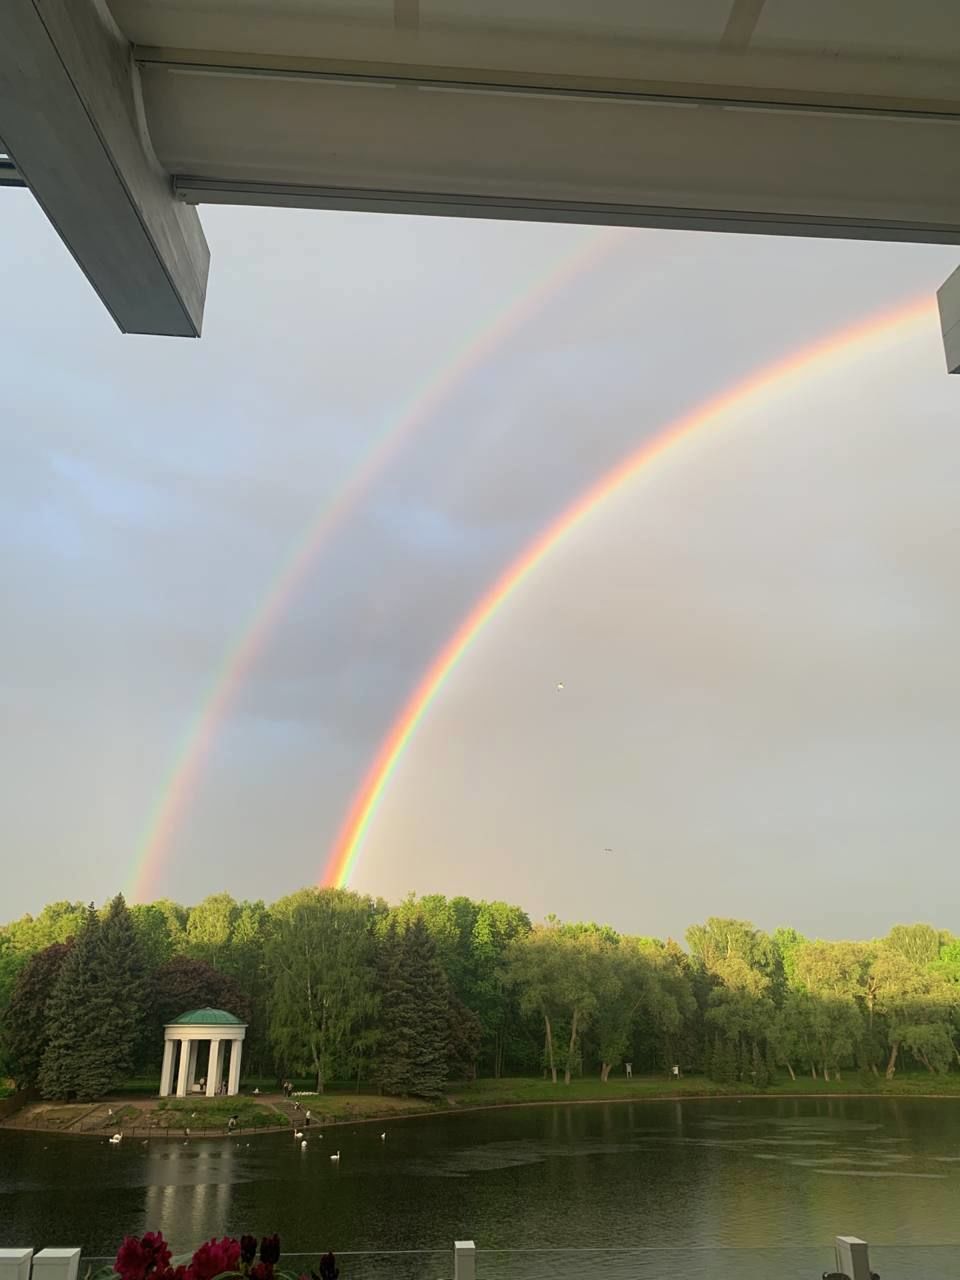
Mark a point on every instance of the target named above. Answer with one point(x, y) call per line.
point(483, 1093)
point(517, 1091)
point(197, 1115)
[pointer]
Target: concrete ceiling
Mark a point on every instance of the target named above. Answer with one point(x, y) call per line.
point(807, 117)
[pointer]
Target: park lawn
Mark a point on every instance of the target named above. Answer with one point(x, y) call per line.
point(334, 1107)
point(200, 1113)
point(516, 1091)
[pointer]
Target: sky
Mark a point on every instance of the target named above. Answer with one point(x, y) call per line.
point(757, 639)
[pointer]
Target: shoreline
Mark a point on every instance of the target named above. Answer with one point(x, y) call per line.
point(153, 1133)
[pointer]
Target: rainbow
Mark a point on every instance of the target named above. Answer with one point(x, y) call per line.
point(182, 779)
point(771, 380)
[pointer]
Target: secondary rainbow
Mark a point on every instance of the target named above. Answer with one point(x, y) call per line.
point(772, 379)
point(169, 809)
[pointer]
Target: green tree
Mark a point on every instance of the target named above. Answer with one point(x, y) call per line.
point(80, 1054)
point(57, 922)
point(24, 1027)
point(919, 1005)
point(414, 1041)
point(721, 940)
point(210, 926)
point(122, 983)
point(534, 967)
point(832, 974)
point(319, 961)
point(917, 943)
point(161, 928)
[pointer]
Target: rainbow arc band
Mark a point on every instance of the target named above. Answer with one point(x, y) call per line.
point(155, 846)
point(772, 380)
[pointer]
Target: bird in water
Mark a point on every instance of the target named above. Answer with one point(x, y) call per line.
point(383, 1137)
point(297, 1133)
point(303, 1145)
point(336, 1158)
point(117, 1137)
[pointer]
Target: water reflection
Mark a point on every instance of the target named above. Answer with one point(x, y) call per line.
point(786, 1174)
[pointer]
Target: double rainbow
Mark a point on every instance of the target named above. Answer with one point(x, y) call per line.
point(166, 817)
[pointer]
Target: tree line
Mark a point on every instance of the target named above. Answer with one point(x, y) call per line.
point(338, 987)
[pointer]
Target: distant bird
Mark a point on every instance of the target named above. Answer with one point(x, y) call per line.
point(608, 850)
point(117, 1137)
point(335, 1158)
point(187, 1132)
point(297, 1133)
point(559, 686)
point(303, 1145)
point(382, 1137)
point(144, 1142)
point(109, 1111)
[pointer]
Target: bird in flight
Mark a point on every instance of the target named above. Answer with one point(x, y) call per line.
point(559, 686)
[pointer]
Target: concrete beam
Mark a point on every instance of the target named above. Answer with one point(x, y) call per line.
point(312, 139)
point(73, 125)
point(948, 300)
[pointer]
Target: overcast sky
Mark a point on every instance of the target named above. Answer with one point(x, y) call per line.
point(758, 640)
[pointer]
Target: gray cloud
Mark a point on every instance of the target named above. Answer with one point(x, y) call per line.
point(742, 623)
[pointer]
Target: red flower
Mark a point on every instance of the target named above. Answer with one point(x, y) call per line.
point(248, 1249)
point(138, 1258)
point(172, 1273)
point(270, 1250)
point(215, 1257)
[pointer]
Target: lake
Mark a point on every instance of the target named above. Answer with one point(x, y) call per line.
point(693, 1188)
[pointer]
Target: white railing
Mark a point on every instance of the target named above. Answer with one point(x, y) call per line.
point(852, 1257)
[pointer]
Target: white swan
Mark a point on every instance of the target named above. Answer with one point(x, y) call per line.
point(383, 1137)
point(336, 1157)
point(117, 1137)
point(297, 1133)
point(303, 1145)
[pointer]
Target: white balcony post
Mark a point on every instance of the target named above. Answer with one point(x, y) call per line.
point(464, 1260)
point(853, 1257)
point(56, 1264)
point(15, 1264)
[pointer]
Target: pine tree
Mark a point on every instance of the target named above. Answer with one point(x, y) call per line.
point(394, 1071)
point(24, 1025)
point(123, 985)
point(415, 1032)
point(79, 1056)
point(432, 1002)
